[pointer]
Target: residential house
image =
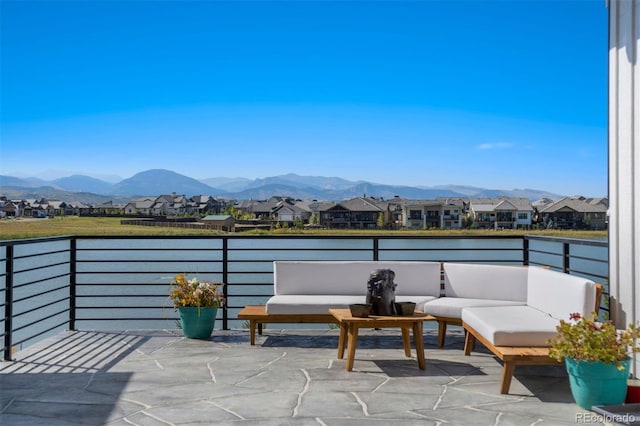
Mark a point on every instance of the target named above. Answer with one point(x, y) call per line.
point(277, 208)
point(108, 209)
point(170, 205)
point(77, 208)
point(393, 212)
point(291, 212)
point(575, 213)
point(356, 213)
point(140, 206)
point(14, 208)
point(261, 209)
point(44, 208)
point(10, 208)
point(56, 208)
point(441, 213)
point(316, 208)
point(422, 214)
point(206, 205)
point(501, 213)
point(453, 211)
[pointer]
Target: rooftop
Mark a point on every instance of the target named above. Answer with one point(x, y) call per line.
point(289, 377)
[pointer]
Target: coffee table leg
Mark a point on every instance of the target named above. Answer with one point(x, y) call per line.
point(406, 341)
point(419, 344)
point(252, 330)
point(351, 346)
point(341, 340)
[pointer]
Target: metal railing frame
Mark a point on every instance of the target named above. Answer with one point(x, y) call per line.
point(10, 271)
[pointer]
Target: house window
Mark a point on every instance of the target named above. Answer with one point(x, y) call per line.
point(523, 216)
point(505, 217)
point(415, 214)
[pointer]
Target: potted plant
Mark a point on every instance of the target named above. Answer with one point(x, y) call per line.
point(596, 355)
point(198, 303)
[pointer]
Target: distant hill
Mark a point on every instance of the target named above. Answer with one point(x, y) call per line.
point(390, 191)
point(297, 181)
point(533, 194)
point(50, 193)
point(228, 184)
point(158, 182)
point(266, 191)
point(10, 181)
point(79, 183)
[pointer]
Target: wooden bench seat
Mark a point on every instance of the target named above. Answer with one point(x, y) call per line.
point(257, 316)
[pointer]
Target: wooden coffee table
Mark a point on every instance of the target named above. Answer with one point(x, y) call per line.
point(349, 327)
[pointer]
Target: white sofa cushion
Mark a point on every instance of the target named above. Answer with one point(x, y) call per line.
point(560, 294)
point(350, 277)
point(512, 325)
point(477, 281)
point(451, 307)
point(310, 304)
point(420, 301)
point(320, 304)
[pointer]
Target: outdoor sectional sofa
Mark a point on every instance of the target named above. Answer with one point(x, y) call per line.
point(512, 310)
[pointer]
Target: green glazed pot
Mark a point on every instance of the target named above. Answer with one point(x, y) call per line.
point(597, 383)
point(197, 323)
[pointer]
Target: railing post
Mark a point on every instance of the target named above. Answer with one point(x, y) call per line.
point(8, 305)
point(376, 246)
point(72, 283)
point(225, 280)
point(525, 251)
point(566, 260)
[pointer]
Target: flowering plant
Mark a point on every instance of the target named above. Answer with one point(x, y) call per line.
point(588, 339)
point(194, 293)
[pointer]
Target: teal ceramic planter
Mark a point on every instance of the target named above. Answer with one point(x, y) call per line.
point(197, 323)
point(597, 383)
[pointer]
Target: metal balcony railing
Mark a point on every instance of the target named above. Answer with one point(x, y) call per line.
point(51, 284)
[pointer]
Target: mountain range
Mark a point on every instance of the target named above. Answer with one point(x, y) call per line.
point(158, 181)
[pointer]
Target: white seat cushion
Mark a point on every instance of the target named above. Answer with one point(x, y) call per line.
point(512, 325)
point(420, 301)
point(310, 304)
point(452, 306)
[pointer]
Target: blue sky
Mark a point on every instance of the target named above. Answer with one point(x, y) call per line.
point(496, 94)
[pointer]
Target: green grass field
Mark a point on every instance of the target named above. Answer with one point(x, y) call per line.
point(87, 226)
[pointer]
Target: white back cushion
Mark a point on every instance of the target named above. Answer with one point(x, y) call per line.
point(560, 294)
point(350, 277)
point(476, 281)
point(414, 278)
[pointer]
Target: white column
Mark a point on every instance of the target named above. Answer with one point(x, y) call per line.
point(624, 162)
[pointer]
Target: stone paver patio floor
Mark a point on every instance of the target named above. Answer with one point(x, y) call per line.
point(290, 377)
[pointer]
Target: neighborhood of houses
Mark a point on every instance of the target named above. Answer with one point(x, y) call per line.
point(357, 213)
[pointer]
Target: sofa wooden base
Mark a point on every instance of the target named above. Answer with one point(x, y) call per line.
point(257, 316)
point(442, 327)
point(509, 355)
